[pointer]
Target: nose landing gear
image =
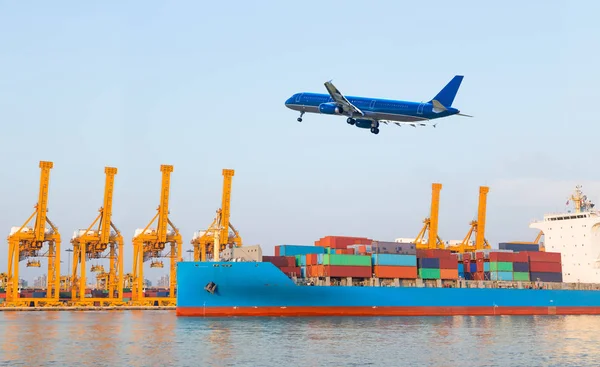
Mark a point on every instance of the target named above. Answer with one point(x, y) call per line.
point(300, 118)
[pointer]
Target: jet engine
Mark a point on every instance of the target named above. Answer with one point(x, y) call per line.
point(364, 124)
point(330, 109)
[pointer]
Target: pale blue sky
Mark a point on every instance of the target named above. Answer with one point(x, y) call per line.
point(201, 85)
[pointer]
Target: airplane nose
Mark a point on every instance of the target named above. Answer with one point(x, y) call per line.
point(289, 101)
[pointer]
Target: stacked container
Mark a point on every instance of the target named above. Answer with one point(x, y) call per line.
point(340, 266)
point(293, 250)
point(545, 266)
point(502, 266)
point(437, 264)
point(394, 266)
point(287, 264)
point(341, 242)
point(519, 246)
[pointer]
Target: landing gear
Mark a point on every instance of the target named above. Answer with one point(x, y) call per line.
point(375, 127)
point(300, 118)
point(351, 121)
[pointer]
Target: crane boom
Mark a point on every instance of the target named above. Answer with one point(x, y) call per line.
point(108, 201)
point(226, 204)
point(481, 216)
point(42, 205)
point(163, 210)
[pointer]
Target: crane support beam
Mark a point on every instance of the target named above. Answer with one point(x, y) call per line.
point(481, 216)
point(163, 209)
point(42, 205)
point(435, 208)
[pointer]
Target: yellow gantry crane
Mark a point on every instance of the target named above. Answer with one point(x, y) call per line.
point(149, 244)
point(217, 237)
point(477, 227)
point(93, 244)
point(430, 225)
point(28, 242)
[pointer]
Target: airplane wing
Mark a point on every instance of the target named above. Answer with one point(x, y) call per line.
point(339, 98)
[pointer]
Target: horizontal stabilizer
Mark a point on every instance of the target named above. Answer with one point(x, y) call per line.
point(437, 106)
point(462, 114)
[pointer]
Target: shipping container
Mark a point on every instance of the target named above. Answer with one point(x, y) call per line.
point(429, 263)
point(380, 247)
point(466, 256)
point(449, 262)
point(342, 241)
point(348, 271)
point(448, 274)
point(400, 272)
point(544, 256)
point(425, 273)
point(468, 276)
point(347, 260)
point(291, 271)
point(303, 272)
point(461, 268)
point(293, 250)
point(501, 266)
point(501, 256)
point(545, 267)
point(501, 275)
point(473, 268)
point(545, 277)
point(518, 247)
point(521, 267)
point(394, 260)
point(280, 261)
point(485, 267)
point(520, 276)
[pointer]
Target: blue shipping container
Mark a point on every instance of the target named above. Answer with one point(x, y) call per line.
point(486, 275)
point(546, 277)
point(320, 259)
point(519, 247)
point(429, 263)
point(473, 267)
point(502, 275)
point(521, 267)
point(461, 268)
point(461, 275)
point(293, 250)
point(394, 260)
point(303, 272)
point(468, 276)
point(302, 260)
point(486, 266)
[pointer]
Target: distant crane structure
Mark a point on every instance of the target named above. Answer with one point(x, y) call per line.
point(218, 237)
point(99, 243)
point(26, 242)
point(477, 227)
point(431, 224)
point(149, 244)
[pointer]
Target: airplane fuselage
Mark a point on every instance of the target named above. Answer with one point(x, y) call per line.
point(375, 109)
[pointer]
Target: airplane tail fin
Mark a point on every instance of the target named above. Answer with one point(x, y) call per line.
point(446, 95)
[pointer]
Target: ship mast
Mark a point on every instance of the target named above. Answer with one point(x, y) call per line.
point(580, 201)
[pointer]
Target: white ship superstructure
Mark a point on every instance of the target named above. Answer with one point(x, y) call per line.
point(576, 235)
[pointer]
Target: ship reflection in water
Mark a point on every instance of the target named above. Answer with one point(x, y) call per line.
point(159, 338)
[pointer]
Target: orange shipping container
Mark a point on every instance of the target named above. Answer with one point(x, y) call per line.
point(448, 273)
point(401, 272)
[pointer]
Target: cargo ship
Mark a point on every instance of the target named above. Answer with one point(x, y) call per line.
point(345, 276)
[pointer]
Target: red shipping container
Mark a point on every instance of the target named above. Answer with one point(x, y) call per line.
point(341, 242)
point(467, 265)
point(480, 266)
point(449, 263)
point(401, 272)
point(545, 267)
point(544, 256)
point(520, 257)
point(478, 276)
point(466, 256)
point(479, 255)
point(347, 271)
point(448, 273)
point(502, 257)
point(280, 261)
point(291, 270)
point(3, 295)
point(277, 250)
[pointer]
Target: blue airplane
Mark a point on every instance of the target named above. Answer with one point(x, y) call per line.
point(368, 113)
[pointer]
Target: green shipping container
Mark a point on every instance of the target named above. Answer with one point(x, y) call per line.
point(429, 273)
point(298, 259)
point(501, 266)
point(521, 276)
point(347, 260)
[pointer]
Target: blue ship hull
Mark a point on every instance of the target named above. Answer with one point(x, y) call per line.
point(261, 289)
